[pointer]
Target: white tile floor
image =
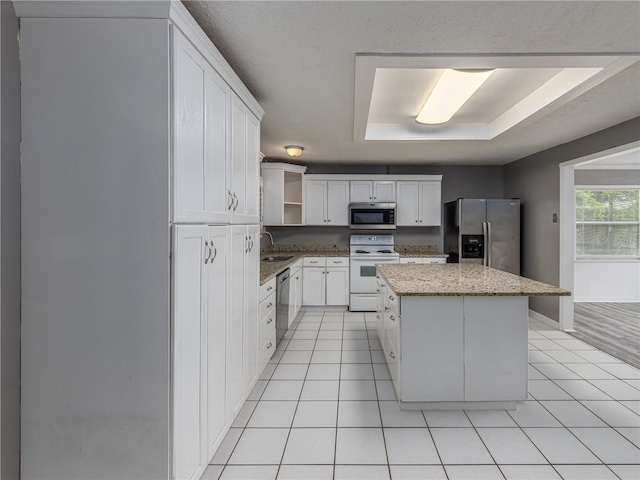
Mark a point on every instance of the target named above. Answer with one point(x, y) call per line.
point(325, 408)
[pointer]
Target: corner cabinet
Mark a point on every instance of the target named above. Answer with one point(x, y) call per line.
point(145, 186)
point(282, 187)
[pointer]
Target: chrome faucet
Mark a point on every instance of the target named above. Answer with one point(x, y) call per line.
point(270, 236)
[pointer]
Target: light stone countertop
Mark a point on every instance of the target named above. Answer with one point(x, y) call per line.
point(269, 270)
point(455, 279)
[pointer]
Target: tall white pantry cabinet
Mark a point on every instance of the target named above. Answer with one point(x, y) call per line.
point(140, 170)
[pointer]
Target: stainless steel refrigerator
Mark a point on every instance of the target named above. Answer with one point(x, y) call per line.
point(483, 231)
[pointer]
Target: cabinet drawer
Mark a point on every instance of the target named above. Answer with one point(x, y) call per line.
point(266, 305)
point(393, 332)
point(315, 262)
point(393, 299)
point(337, 261)
point(393, 362)
point(411, 260)
point(267, 326)
point(434, 260)
point(267, 289)
point(266, 351)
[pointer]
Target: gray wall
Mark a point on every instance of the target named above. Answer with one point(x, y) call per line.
point(9, 244)
point(457, 181)
point(607, 177)
point(536, 180)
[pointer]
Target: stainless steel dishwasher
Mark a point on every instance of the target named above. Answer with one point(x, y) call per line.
point(282, 304)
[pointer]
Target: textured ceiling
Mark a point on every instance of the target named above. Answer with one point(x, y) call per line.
point(298, 59)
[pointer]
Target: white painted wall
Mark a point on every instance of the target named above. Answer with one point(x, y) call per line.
point(600, 281)
point(9, 244)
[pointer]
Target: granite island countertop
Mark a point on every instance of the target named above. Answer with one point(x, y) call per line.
point(456, 279)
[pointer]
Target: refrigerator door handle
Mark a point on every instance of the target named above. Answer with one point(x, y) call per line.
point(488, 245)
point(485, 253)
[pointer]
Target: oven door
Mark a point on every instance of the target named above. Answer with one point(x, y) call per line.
point(362, 271)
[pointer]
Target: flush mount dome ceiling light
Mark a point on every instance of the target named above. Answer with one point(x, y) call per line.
point(453, 89)
point(294, 150)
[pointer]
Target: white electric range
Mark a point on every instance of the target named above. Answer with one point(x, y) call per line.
point(365, 251)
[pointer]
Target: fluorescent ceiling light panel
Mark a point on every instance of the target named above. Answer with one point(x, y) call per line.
point(453, 89)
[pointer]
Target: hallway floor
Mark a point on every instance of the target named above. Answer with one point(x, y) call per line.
point(325, 408)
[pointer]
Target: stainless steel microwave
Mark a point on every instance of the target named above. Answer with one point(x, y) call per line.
point(372, 216)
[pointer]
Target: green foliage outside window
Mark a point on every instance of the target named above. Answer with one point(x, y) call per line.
point(608, 222)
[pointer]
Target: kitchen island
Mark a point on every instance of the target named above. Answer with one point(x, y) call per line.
point(455, 335)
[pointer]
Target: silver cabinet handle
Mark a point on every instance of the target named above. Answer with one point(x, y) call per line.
point(382, 285)
point(392, 355)
point(312, 261)
point(391, 298)
point(269, 321)
point(386, 308)
point(378, 317)
point(393, 319)
point(377, 290)
point(207, 252)
point(297, 278)
point(231, 200)
point(269, 288)
point(215, 252)
point(329, 220)
point(236, 201)
point(246, 242)
point(269, 306)
point(269, 346)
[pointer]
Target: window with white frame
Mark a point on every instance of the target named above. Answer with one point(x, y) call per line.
point(607, 221)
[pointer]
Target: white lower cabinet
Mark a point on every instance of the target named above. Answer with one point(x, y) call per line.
point(454, 349)
point(243, 334)
point(199, 380)
point(267, 323)
point(325, 281)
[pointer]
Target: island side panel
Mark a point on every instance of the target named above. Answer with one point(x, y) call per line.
point(432, 351)
point(495, 348)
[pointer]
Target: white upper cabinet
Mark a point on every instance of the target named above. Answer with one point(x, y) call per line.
point(282, 193)
point(217, 148)
point(245, 152)
point(327, 202)
point(373, 191)
point(202, 167)
point(419, 203)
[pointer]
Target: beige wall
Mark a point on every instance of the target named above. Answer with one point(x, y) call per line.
point(9, 245)
point(536, 180)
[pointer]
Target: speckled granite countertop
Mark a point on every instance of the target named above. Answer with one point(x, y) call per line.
point(455, 279)
point(427, 251)
point(269, 270)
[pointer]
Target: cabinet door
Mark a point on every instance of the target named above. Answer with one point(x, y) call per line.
point(190, 172)
point(217, 104)
point(299, 290)
point(495, 348)
point(337, 288)
point(239, 247)
point(430, 204)
point(217, 314)
point(252, 169)
point(432, 355)
point(189, 350)
point(361, 191)
point(238, 159)
point(338, 203)
point(315, 202)
point(313, 286)
point(384, 191)
point(408, 206)
point(250, 330)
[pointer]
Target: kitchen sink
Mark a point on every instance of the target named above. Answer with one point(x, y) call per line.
point(277, 259)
